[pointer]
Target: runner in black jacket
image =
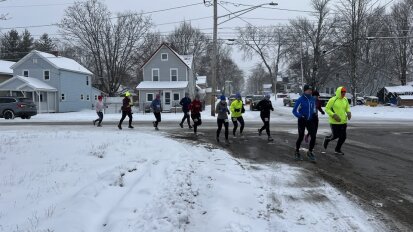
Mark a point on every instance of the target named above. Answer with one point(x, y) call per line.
point(265, 106)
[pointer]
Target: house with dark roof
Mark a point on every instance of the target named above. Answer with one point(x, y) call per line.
point(168, 74)
point(55, 83)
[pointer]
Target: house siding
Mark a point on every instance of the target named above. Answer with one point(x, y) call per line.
point(72, 84)
point(165, 66)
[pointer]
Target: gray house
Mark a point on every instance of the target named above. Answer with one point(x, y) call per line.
point(70, 82)
point(169, 74)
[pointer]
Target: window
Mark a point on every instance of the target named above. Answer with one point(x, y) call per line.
point(81, 97)
point(176, 97)
point(25, 73)
point(46, 75)
point(149, 97)
point(174, 74)
point(87, 97)
point(34, 61)
point(62, 97)
point(87, 80)
point(327, 91)
point(155, 74)
point(164, 56)
point(96, 97)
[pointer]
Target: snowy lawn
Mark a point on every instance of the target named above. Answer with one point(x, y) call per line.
point(78, 179)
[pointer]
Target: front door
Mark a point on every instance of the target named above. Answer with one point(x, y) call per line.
point(167, 101)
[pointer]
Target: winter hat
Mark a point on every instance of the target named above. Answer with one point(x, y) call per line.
point(307, 87)
point(223, 98)
point(316, 93)
point(100, 97)
point(343, 89)
point(238, 96)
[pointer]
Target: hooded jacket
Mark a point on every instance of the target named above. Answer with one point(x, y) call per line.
point(236, 108)
point(305, 107)
point(339, 106)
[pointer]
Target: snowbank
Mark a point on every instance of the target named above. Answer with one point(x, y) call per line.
point(110, 180)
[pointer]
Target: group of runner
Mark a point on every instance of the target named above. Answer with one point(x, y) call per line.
point(306, 110)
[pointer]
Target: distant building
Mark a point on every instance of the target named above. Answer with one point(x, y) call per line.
point(169, 74)
point(55, 83)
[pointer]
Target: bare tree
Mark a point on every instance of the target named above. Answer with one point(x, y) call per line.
point(266, 43)
point(401, 28)
point(318, 36)
point(188, 40)
point(109, 41)
point(353, 14)
point(257, 78)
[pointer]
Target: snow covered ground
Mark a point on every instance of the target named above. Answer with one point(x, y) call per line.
point(83, 179)
point(282, 114)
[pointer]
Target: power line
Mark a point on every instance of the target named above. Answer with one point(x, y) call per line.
point(36, 5)
point(264, 7)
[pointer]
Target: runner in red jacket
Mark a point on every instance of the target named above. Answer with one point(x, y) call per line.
point(196, 108)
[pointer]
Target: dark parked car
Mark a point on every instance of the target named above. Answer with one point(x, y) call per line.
point(254, 101)
point(11, 107)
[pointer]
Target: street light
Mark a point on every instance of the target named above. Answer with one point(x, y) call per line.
point(214, 42)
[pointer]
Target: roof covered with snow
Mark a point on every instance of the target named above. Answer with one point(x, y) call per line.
point(5, 67)
point(32, 83)
point(400, 89)
point(59, 62)
point(162, 85)
point(406, 97)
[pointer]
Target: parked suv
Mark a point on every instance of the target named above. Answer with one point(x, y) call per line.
point(11, 107)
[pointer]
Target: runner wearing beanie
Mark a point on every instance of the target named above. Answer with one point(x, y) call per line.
point(237, 109)
point(304, 110)
point(222, 119)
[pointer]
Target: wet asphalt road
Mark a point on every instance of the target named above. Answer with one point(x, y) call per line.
point(377, 166)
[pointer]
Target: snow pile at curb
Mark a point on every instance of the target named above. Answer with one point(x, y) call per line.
point(83, 180)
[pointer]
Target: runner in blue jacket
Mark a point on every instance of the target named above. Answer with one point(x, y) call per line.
point(305, 110)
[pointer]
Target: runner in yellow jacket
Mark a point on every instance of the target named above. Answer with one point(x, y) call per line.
point(338, 110)
point(237, 109)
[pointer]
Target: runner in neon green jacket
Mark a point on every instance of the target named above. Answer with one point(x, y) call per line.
point(338, 110)
point(237, 109)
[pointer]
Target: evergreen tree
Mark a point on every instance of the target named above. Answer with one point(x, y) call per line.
point(26, 43)
point(10, 43)
point(44, 44)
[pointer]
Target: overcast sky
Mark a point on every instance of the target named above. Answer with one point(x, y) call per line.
point(25, 13)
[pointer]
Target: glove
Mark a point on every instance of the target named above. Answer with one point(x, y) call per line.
point(237, 110)
point(349, 115)
point(337, 118)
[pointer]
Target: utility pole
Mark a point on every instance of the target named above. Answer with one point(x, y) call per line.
point(302, 67)
point(214, 58)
